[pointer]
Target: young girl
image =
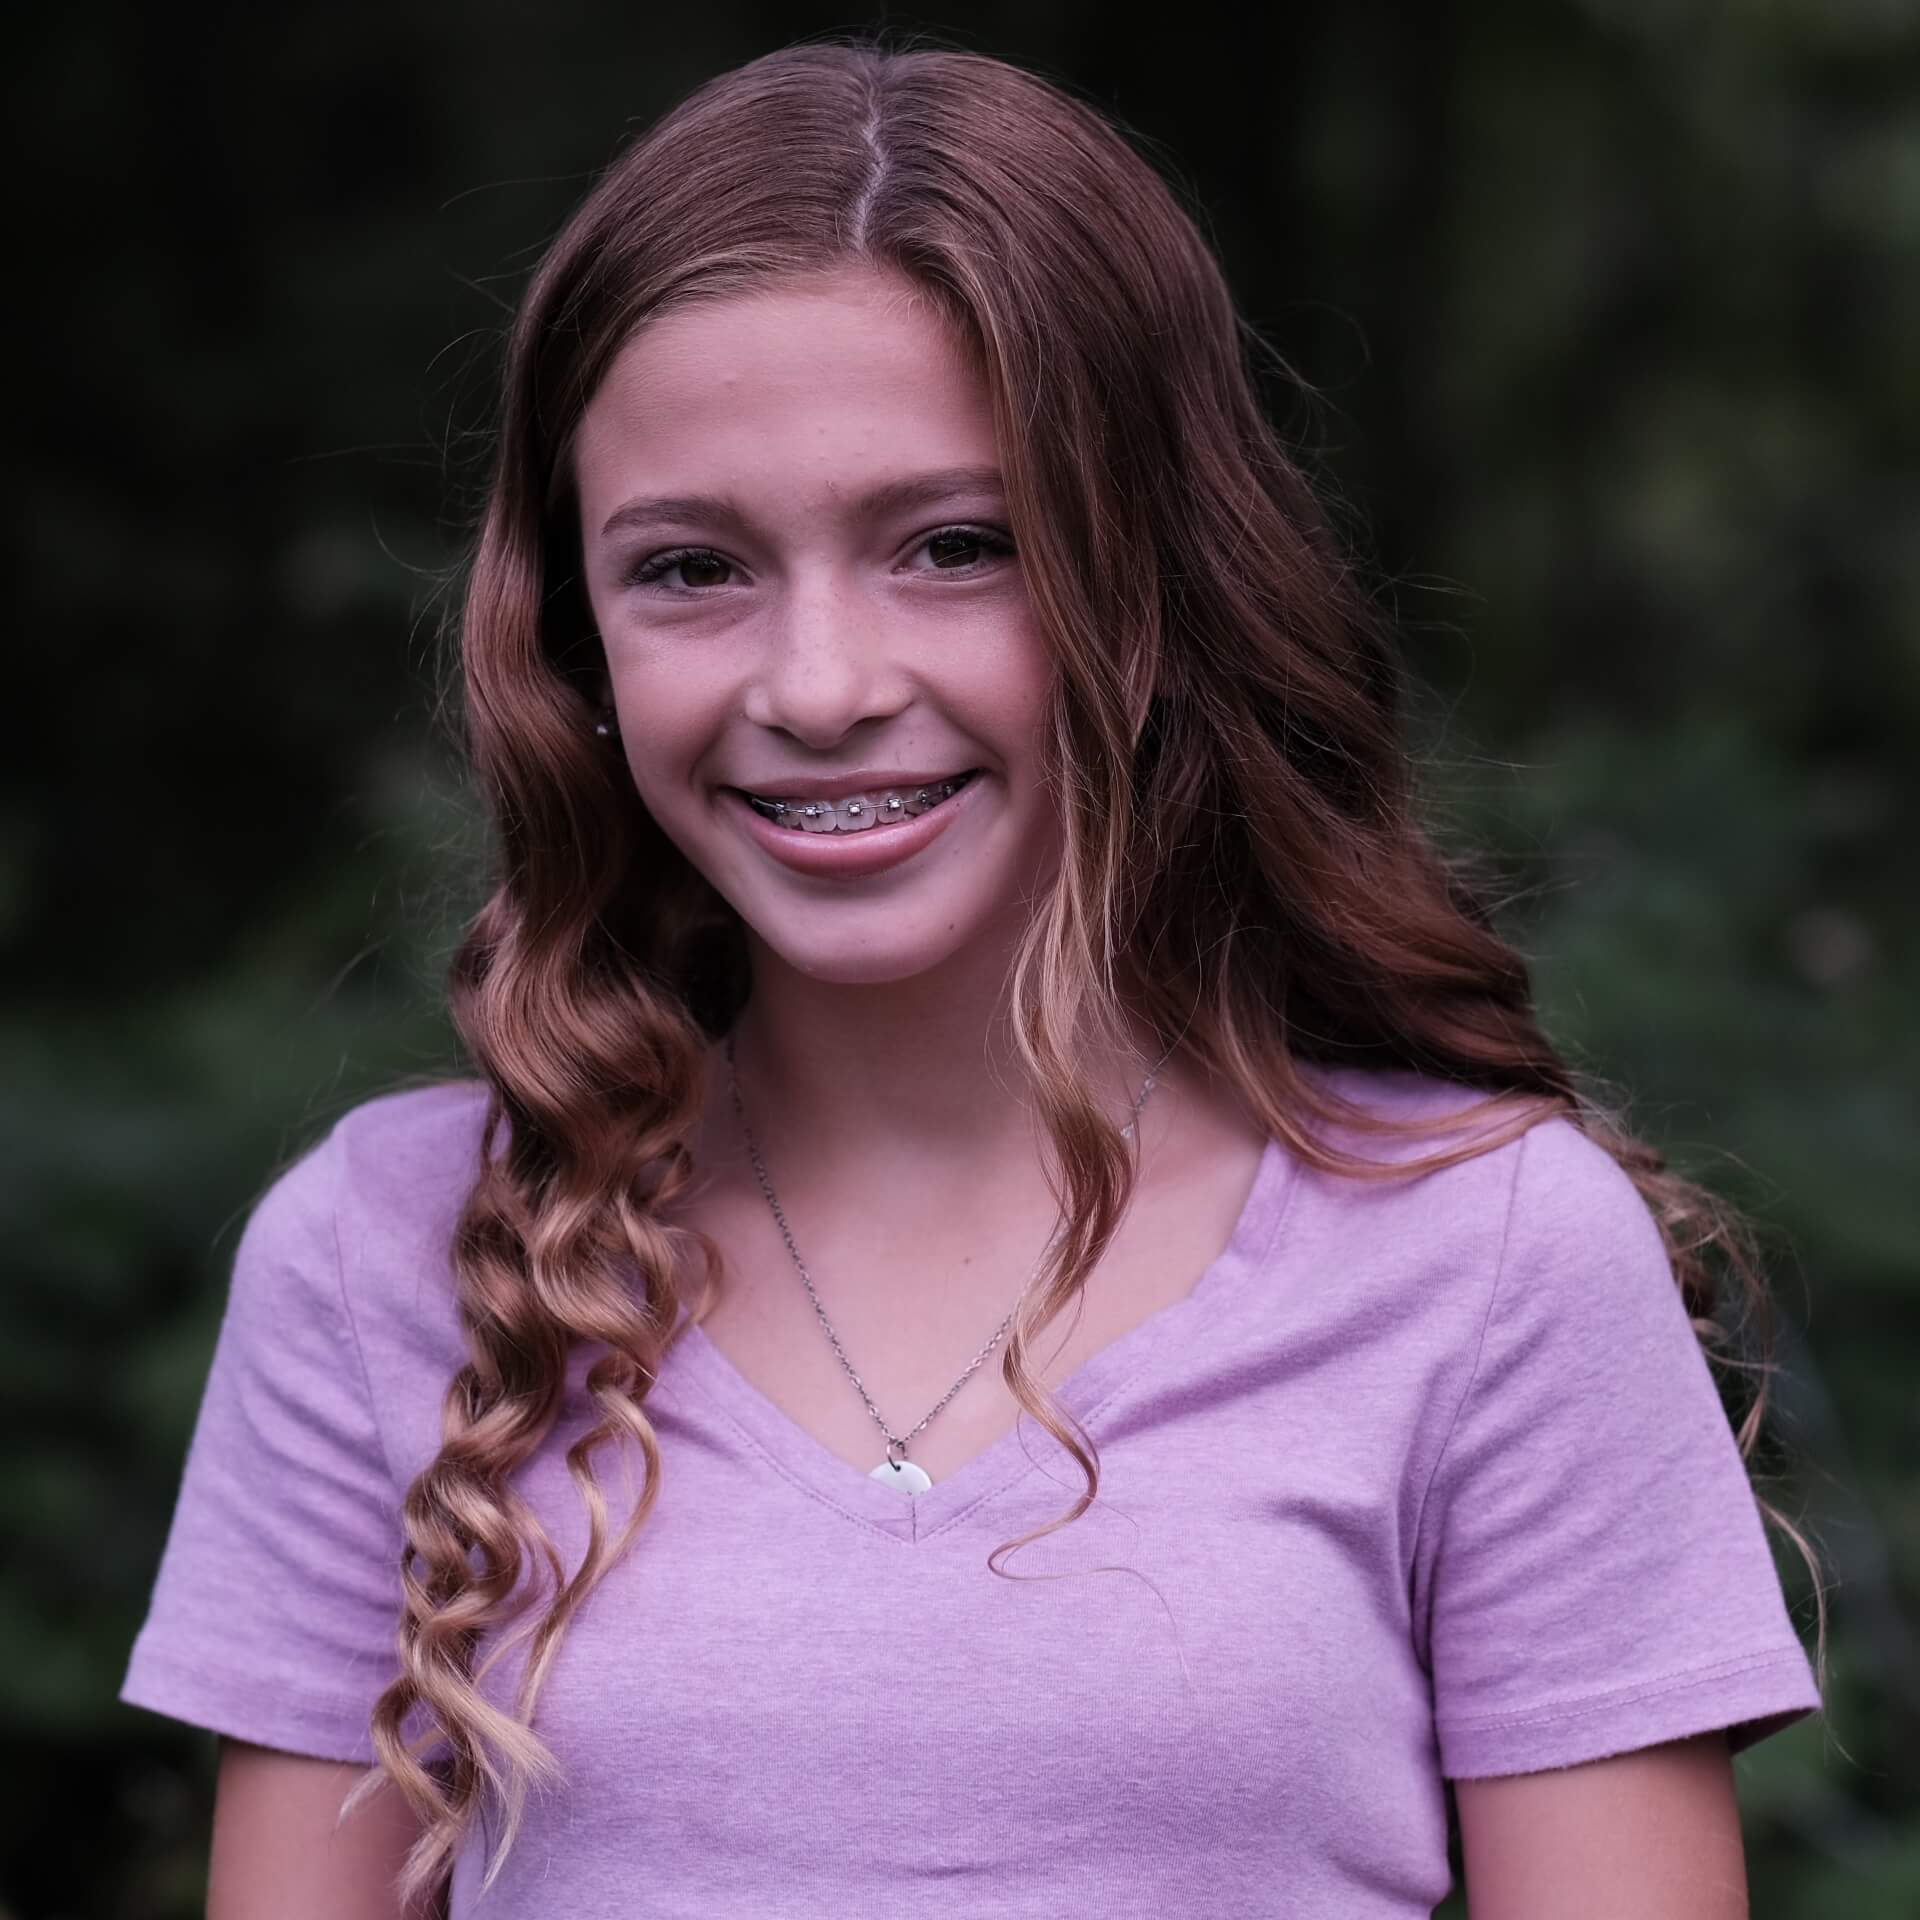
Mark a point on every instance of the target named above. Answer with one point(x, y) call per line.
point(962, 946)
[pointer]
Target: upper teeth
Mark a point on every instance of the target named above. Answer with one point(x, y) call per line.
point(857, 810)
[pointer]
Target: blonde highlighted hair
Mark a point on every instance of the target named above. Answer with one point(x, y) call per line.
point(1242, 863)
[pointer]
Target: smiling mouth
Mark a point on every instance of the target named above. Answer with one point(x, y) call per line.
point(859, 812)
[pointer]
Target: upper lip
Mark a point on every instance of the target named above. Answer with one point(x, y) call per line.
point(859, 780)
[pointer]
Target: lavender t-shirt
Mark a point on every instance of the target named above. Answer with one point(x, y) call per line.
point(1425, 1480)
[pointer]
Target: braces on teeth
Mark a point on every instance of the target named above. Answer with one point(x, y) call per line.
point(860, 811)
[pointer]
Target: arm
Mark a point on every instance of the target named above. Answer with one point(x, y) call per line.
point(276, 1855)
point(1654, 1834)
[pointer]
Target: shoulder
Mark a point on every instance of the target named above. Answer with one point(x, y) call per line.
point(410, 1152)
point(1400, 1097)
point(1550, 1195)
point(397, 1152)
point(404, 1163)
point(369, 1205)
point(1559, 1156)
point(1564, 1251)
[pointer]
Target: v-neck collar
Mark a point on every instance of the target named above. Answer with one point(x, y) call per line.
point(791, 1451)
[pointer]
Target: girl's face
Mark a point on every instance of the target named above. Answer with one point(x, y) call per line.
point(797, 552)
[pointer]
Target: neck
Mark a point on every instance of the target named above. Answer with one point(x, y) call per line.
point(892, 1074)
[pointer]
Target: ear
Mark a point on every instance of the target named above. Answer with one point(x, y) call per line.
point(594, 681)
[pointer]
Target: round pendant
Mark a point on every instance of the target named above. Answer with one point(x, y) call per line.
point(902, 1475)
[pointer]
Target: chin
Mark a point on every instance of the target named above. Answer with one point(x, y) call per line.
point(861, 962)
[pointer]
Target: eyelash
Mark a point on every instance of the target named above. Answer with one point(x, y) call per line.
point(645, 572)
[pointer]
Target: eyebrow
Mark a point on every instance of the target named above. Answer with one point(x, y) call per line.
point(891, 496)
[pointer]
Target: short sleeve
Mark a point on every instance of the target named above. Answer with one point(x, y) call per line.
point(1597, 1572)
point(274, 1614)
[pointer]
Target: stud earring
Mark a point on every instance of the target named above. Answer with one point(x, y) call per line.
point(605, 725)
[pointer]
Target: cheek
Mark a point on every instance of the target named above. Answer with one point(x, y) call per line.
point(669, 692)
point(1023, 697)
point(668, 724)
point(1009, 676)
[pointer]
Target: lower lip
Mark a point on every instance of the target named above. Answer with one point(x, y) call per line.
point(852, 856)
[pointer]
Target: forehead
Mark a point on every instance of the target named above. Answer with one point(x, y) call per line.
point(849, 366)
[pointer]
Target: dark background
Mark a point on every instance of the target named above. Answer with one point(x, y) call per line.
point(1612, 306)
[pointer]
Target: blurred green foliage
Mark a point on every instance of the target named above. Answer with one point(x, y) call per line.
point(1610, 305)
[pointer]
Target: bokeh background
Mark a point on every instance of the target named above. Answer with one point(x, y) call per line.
point(1610, 312)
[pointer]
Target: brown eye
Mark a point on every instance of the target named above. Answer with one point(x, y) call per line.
point(686, 561)
point(943, 545)
point(968, 543)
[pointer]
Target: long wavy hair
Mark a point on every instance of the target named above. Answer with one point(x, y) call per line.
point(1242, 862)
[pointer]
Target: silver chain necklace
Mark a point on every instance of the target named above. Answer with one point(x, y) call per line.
point(899, 1472)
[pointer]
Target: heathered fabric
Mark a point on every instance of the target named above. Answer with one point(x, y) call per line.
point(1424, 1480)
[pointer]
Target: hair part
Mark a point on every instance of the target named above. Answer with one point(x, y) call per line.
point(1242, 863)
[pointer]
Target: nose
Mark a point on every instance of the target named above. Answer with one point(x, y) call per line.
point(827, 665)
